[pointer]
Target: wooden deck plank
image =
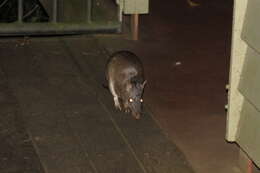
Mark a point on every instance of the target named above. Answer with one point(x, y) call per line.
point(69, 126)
point(53, 138)
point(71, 117)
point(17, 153)
point(153, 150)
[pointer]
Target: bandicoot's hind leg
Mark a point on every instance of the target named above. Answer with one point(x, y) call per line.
point(116, 99)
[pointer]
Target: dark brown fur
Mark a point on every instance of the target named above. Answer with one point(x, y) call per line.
point(125, 76)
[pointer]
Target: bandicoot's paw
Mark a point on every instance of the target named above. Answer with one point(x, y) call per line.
point(117, 104)
point(127, 110)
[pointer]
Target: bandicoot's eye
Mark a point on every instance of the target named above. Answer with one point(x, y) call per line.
point(141, 100)
point(131, 100)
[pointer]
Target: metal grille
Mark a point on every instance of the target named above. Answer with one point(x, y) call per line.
point(39, 17)
point(28, 12)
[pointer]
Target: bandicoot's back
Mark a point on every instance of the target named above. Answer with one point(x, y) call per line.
point(125, 76)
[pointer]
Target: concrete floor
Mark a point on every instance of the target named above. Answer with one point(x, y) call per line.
point(186, 53)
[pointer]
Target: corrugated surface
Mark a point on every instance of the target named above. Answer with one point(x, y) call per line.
point(252, 26)
point(248, 136)
point(249, 132)
point(250, 84)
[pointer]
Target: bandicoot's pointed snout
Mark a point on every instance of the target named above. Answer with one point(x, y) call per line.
point(136, 115)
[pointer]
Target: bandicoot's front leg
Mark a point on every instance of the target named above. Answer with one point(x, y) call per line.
point(117, 104)
point(126, 107)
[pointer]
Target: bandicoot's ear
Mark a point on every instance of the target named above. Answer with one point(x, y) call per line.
point(144, 83)
point(128, 87)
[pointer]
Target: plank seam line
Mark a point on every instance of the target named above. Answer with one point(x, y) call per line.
point(74, 61)
point(34, 145)
point(123, 137)
point(81, 145)
point(82, 73)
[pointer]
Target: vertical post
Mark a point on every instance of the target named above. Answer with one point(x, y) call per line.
point(20, 11)
point(134, 26)
point(89, 9)
point(54, 11)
